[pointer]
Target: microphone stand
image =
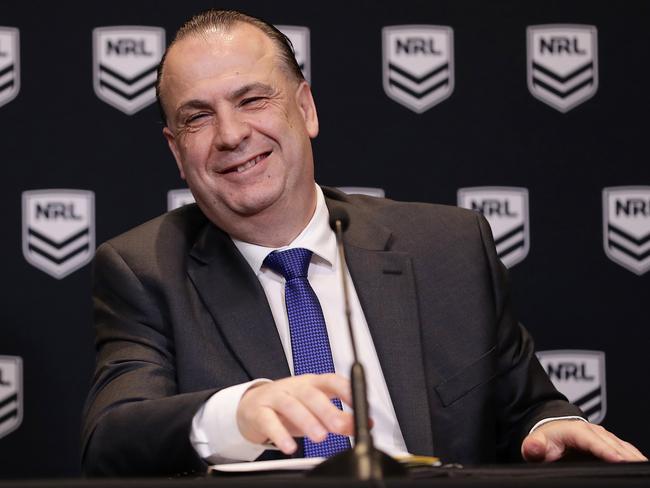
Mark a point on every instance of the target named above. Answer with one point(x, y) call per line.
point(363, 461)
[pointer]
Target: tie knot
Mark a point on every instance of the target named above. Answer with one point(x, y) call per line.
point(292, 263)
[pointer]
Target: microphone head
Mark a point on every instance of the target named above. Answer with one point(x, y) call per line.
point(339, 214)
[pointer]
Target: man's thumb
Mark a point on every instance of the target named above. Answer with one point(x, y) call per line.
point(533, 449)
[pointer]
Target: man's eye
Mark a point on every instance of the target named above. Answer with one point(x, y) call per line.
point(195, 117)
point(252, 100)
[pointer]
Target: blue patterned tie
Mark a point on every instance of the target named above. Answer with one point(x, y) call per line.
point(310, 345)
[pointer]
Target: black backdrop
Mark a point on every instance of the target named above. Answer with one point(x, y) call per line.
point(491, 131)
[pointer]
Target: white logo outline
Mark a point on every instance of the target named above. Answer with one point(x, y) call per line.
point(562, 91)
point(422, 91)
point(179, 197)
point(131, 92)
point(513, 243)
point(592, 402)
point(55, 255)
point(10, 72)
point(11, 404)
point(370, 191)
point(300, 38)
point(632, 252)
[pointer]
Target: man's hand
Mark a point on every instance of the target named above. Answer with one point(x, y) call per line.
point(293, 407)
point(555, 439)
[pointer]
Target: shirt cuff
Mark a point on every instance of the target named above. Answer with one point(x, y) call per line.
point(215, 435)
point(551, 419)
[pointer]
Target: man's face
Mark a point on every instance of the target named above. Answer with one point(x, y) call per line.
point(239, 126)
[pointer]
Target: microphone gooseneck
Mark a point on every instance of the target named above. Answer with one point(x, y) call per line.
point(339, 215)
point(364, 461)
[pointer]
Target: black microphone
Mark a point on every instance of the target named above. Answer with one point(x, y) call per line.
point(364, 461)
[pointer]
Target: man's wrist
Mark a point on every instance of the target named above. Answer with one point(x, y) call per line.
point(552, 419)
point(215, 434)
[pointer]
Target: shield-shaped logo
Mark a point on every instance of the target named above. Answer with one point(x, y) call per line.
point(11, 394)
point(299, 37)
point(580, 376)
point(626, 226)
point(178, 198)
point(562, 64)
point(418, 64)
point(125, 61)
point(9, 64)
point(506, 209)
point(58, 230)
point(363, 190)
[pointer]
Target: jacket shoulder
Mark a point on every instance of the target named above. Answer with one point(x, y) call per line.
point(161, 238)
point(403, 217)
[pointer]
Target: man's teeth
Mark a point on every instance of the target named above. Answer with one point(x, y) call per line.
point(249, 164)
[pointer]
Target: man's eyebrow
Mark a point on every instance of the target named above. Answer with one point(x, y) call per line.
point(262, 88)
point(192, 104)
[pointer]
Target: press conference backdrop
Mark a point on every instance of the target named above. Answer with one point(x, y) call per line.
point(534, 113)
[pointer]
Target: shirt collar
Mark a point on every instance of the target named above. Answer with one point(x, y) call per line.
point(317, 236)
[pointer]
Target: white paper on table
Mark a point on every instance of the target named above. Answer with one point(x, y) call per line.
point(296, 464)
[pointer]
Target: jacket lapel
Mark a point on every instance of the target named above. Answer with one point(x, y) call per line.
point(235, 299)
point(384, 282)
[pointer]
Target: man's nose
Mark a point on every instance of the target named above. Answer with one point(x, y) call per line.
point(231, 131)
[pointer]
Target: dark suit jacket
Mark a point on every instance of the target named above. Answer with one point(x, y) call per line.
point(180, 314)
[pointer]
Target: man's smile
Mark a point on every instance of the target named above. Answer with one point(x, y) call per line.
point(242, 167)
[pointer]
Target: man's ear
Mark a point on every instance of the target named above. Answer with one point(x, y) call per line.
point(171, 142)
point(307, 108)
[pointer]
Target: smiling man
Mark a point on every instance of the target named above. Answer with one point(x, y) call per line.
point(239, 125)
point(203, 354)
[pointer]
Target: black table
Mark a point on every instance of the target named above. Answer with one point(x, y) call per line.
point(557, 475)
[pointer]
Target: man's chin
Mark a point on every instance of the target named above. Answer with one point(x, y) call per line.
point(253, 206)
point(244, 208)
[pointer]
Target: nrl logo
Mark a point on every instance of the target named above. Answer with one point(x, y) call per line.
point(125, 62)
point(58, 230)
point(562, 64)
point(11, 394)
point(626, 226)
point(299, 37)
point(9, 64)
point(178, 198)
point(418, 65)
point(580, 376)
point(506, 209)
point(363, 190)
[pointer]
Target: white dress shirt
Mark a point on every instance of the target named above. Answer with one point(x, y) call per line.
point(215, 435)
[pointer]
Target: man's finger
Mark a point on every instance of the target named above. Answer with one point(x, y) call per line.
point(627, 451)
point(533, 449)
point(301, 418)
point(633, 449)
point(639, 456)
point(333, 385)
point(538, 447)
point(588, 441)
point(610, 440)
point(301, 405)
point(321, 406)
point(275, 431)
point(553, 440)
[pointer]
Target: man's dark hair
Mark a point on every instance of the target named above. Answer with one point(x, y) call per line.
point(214, 19)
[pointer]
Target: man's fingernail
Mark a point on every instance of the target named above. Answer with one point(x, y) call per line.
point(318, 434)
point(536, 450)
point(287, 446)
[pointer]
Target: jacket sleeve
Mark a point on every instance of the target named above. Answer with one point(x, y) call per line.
point(525, 393)
point(135, 420)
